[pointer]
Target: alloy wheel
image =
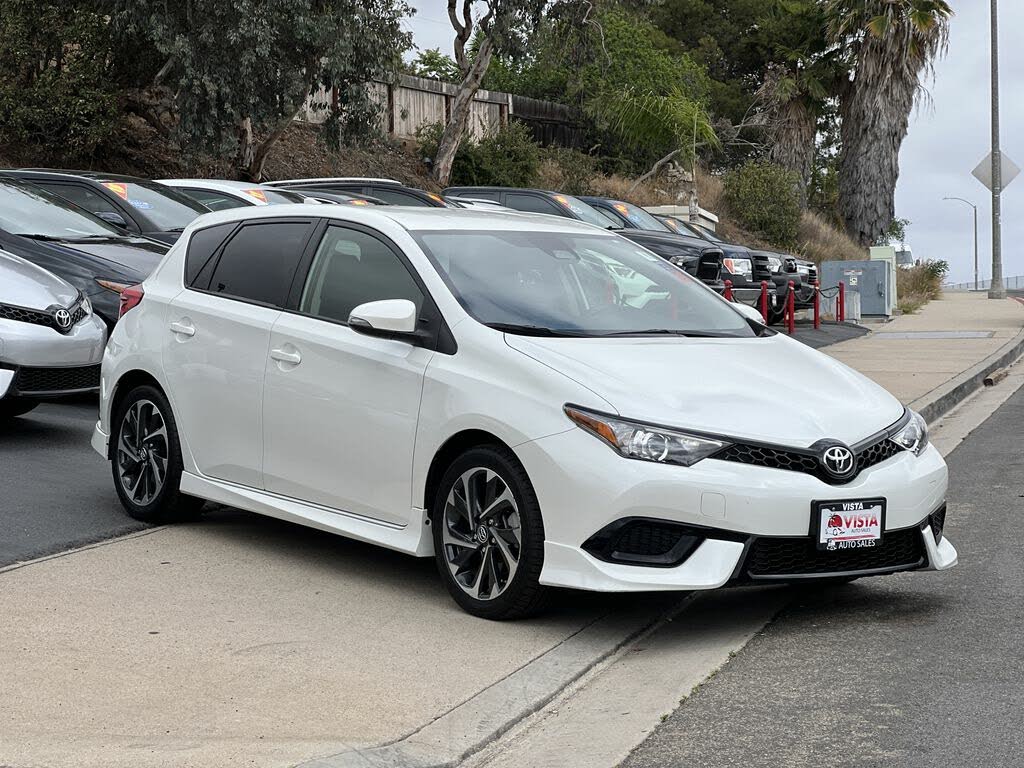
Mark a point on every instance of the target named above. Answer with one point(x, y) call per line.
point(481, 533)
point(142, 452)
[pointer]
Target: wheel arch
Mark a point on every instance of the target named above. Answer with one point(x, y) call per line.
point(451, 449)
point(125, 384)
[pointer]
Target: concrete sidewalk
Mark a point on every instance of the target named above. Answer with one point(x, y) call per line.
point(242, 640)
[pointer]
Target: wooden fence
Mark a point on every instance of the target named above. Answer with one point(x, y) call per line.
point(412, 102)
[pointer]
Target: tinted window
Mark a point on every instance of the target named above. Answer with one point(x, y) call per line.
point(83, 196)
point(258, 263)
point(531, 204)
point(397, 197)
point(201, 247)
point(215, 201)
point(476, 195)
point(351, 268)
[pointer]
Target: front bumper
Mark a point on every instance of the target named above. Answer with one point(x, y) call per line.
point(583, 486)
point(37, 361)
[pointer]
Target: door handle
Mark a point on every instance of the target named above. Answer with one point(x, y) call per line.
point(184, 329)
point(286, 357)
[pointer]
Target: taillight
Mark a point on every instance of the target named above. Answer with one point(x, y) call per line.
point(131, 297)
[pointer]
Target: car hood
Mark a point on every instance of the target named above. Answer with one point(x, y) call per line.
point(770, 389)
point(643, 236)
point(26, 285)
point(136, 254)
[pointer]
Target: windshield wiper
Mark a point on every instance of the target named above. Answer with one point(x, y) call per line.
point(37, 236)
point(532, 330)
point(670, 332)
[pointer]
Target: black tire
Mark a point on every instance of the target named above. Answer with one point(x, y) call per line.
point(521, 595)
point(167, 504)
point(15, 406)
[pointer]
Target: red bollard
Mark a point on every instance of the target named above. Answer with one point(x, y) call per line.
point(841, 303)
point(817, 304)
point(791, 309)
point(727, 294)
point(764, 301)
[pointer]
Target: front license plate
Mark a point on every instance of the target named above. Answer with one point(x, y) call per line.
point(849, 524)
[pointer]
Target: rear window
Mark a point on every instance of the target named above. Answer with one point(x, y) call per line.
point(201, 247)
point(260, 260)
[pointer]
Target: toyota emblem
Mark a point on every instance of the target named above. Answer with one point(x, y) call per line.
point(63, 319)
point(838, 461)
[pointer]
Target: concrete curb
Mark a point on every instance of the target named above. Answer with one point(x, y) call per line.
point(470, 726)
point(944, 397)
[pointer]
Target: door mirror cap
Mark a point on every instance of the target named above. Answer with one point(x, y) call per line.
point(749, 312)
point(389, 318)
point(113, 218)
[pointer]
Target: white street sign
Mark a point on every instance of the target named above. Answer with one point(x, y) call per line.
point(983, 172)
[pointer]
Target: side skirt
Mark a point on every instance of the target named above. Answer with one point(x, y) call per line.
point(414, 539)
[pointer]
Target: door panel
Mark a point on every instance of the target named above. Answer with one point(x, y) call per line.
point(214, 354)
point(340, 413)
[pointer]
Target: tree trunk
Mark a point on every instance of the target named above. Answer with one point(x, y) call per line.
point(875, 113)
point(793, 142)
point(246, 147)
point(455, 130)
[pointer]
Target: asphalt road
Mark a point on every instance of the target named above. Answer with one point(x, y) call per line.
point(909, 670)
point(56, 493)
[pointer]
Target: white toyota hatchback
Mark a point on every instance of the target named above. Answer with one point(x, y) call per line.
point(533, 401)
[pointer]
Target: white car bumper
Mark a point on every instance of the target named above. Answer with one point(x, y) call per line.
point(583, 486)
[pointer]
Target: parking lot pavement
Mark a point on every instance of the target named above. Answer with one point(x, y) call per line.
point(912, 670)
point(827, 334)
point(55, 492)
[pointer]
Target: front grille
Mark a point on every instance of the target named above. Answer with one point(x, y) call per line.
point(43, 317)
point(762, 268)
point(31, 381)
point(647, 539)
point(709, 268)
point(805, 461)
point(799, 556)
point(938, 522)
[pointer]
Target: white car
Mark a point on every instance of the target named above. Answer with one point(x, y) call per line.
point(223, 194)
point(469, 386)
point(51, 343)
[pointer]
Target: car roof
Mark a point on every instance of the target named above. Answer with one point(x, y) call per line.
point(507, 189)
point(227, 184)
point(413, 218)
point(91, 175)
point(333, 180)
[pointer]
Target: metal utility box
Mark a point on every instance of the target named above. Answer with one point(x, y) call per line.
point(872, 280)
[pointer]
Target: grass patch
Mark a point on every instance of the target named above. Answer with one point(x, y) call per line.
point(919, 284)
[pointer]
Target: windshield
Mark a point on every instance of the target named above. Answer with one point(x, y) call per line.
point(709, 235)
point(584, 212)
point(640, 218)
point(565, 284)
point(681, 227)
point(32, 211)
point(167, 208)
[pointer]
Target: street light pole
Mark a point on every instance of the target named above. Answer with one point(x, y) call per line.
point(996, 290)
point(975, 208)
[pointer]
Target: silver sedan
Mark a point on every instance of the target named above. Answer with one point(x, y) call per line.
point(51, 343)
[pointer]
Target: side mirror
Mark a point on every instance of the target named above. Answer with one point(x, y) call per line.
point(388, 319)
point(113, 218)
point(749, 312)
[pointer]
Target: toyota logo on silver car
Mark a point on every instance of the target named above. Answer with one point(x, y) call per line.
point(63, 319)
point(838, 460)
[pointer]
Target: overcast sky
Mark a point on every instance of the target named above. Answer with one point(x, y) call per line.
point(946, 140)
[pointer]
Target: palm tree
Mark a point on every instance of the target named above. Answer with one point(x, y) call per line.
point(894, 44)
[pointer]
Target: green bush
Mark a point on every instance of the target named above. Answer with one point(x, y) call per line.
point(764, 199)
point(507, 158)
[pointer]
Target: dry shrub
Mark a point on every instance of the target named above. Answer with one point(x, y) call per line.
point(820, 241)
point(621, 188)
point(919, 284)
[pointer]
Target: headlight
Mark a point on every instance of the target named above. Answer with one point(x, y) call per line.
point(775, 263)
point(644, 441)
point(738, 266)
point(86, 306)
point(914, 436)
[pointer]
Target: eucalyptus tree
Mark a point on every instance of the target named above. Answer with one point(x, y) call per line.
point(242, 70)
point(893, 45)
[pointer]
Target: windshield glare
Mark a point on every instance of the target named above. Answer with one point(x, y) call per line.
point(29, 210)
point(585, 212)
point(547, 283)
point(164, 206)
point(640, 218)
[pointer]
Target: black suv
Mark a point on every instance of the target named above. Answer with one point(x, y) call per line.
point(692, 254)
point(137, 206)
point(388, 190)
